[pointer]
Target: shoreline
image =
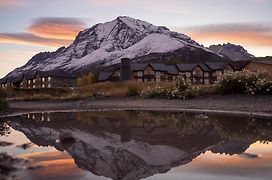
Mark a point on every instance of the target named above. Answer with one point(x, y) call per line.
point(257, 106)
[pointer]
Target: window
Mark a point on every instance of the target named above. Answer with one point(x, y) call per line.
point(140, 73)
point(49, 78)
point(49, 85)
point(34, 80)
point(43, 85)
point(43, 79)
point(34, 86)
point(29, 81)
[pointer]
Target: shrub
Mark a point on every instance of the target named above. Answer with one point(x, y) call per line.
point(89, 79)
point(244, 82)
point(3, 104)
point(181, 90)
point(155, 92)
point(182, 84)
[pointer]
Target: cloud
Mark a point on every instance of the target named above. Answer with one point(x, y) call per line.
point(254, 34)
point(47, 31)
point(57, 28)
point(12, 3)
point(27, 38)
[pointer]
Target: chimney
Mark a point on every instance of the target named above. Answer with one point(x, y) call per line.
point(125, 70)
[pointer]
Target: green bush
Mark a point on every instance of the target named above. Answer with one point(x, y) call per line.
point(244, 82)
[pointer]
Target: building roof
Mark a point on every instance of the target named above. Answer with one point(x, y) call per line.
point(264, 62)
point(57, 73)
point(216, 65)
point(3, 81)
point(15, 79)
point(186, 67)
point(30, 76)
point(138, 66)
point(171, 69)
point(104, 76)
point(159, 67)
point(204, 67)
point(239, 65)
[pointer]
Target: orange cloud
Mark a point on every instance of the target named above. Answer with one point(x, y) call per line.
point(30, 39)
point(57, 28)
point(259, 34)
point(249, 38)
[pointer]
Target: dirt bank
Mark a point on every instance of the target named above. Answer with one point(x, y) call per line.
point(234, 103)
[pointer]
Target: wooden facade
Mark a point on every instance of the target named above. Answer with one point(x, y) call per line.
point(40, 80)
point(204, 73)
point(259, 65)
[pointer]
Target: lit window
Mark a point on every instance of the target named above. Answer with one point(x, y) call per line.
point(43, 79)
point(34, 80)
point(43, 85)
point(140, 73)
point(49, 85)
point(49, 78)
point(34, 86)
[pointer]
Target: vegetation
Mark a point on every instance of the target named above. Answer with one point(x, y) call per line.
point(3, 102)
point(250, 83)
point(88, 79)
point(245, 82)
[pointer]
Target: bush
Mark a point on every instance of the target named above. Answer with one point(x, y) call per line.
point(245, 82)
point(181, 90)
point(89, 79)
point(155, 92)
point(3, 104)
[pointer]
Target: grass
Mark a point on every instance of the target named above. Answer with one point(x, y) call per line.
point(117, 89)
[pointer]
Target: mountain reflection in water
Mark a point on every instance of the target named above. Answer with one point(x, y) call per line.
point(135, 145)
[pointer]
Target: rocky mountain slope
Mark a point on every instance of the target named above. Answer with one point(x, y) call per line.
point(231, 51)
point(105, 44)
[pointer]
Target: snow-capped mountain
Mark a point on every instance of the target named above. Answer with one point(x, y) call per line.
point(105, 44)
point(231, 51)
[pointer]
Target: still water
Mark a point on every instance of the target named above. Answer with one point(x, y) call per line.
point(137, 145)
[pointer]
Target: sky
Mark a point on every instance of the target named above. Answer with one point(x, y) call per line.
point(28, 27)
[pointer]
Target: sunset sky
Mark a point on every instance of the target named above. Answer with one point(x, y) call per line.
point(31, 26)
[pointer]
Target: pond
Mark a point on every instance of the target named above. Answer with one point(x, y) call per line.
point(135, 145)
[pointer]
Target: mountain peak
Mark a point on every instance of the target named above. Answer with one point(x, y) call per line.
point(106, 43)
point(231, 51)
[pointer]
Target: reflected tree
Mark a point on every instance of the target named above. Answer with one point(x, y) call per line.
point(4, 129)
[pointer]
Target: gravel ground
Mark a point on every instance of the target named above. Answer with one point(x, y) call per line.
point(233, 103)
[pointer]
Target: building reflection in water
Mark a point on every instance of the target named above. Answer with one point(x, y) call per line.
point(135, 145)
